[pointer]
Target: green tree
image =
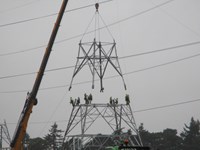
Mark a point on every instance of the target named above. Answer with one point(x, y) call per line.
point(171, 141)
point(166, 140)
point(152, 140)
point(37, 144)
point(191, 135)
point(54, 138)
point(145, 135)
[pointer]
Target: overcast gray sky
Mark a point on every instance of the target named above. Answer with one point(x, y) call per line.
point(141, 26)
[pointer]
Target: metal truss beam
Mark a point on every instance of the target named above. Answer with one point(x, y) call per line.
point(116, 117)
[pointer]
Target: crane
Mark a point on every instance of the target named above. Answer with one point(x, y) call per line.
point(31, 100)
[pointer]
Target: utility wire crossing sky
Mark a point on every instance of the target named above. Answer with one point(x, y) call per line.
point(157, 39)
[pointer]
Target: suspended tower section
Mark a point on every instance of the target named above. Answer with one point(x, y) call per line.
point(97, 54)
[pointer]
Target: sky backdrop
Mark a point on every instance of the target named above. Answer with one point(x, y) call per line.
point(158, 44)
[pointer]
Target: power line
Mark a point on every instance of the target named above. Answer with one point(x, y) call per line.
point(161, 50)
point(123, 57)
point(79, 35)
point(136, 111)
point(166, 106)
point(49, 15)
point(31, 73)
point(143, 12)
point(22, 51)
point(17, 75)
point(40, 122)
point(163, 64)
point(20, 6)
point(52, 114)
point(178, 21)
point(60, 68)
point(110, 77)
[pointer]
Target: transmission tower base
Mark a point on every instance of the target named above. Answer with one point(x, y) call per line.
point(97, 126)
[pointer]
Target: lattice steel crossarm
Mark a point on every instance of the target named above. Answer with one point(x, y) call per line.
point(97, 55)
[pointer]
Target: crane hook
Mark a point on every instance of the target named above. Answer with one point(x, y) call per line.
point(97, 6)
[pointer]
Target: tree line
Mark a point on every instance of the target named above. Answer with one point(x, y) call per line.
point(189, 139)
point(168, 139)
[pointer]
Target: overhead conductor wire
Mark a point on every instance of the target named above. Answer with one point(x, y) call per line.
point(50, 15)
point(110, 77)
point(123, 57)
point(19, 6)
point(153, 108)
point(79, 35)
point(136, 111)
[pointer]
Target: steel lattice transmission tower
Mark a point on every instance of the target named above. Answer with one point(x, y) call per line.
point(97, 54)
point(4, 136)
point(88, 122)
